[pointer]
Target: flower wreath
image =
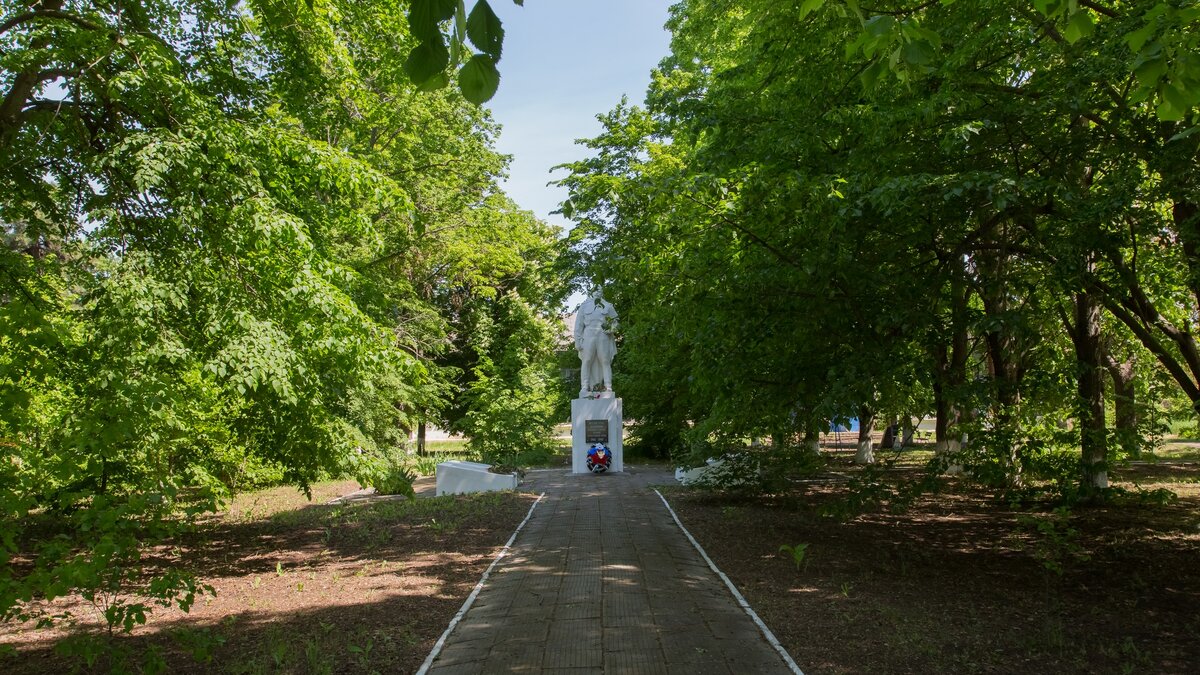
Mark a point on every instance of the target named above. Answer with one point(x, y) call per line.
point(599, 458)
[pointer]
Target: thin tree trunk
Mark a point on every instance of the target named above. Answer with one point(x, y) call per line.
point(1125, 402)
point(889, 434)
point(866, 421)
point(1093, 434)
point(421, 437)
point(908, 429)
point(1006, 376)
point(952, 371)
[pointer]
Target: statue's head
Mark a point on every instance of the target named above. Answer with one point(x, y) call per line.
point(597, 293)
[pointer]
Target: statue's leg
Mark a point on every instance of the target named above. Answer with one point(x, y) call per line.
point(607, 370)
point(585, 366)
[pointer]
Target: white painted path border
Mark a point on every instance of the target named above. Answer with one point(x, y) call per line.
point(437, 647)
point(787, 658)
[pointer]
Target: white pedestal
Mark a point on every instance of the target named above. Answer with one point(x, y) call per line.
point(595, 409)
point(457, 478)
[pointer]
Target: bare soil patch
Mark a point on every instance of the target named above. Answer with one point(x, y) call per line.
point(361, 587)
point(962, 583)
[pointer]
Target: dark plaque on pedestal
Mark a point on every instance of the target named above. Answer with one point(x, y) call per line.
point(595, 431)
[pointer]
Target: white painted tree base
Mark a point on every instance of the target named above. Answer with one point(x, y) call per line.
point(949, 447)
point(865, 454)
point(812, 446)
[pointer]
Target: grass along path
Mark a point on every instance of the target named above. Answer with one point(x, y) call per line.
point(963, 584)
point(304, 587)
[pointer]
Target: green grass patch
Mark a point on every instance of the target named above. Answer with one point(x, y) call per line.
point(452, 445)
point(1172, 452)
point(444, 513)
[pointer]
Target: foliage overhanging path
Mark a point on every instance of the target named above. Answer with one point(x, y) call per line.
point(240, 249)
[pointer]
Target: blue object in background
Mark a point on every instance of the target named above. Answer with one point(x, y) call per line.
point(839, 428)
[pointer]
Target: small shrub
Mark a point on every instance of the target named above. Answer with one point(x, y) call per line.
point(200, 643)
point(390, 475)
point(1056, 543)
point(1187, 431)
point(797, 553)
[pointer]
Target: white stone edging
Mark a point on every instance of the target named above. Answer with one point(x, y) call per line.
point(437, 647)
point(787, 658)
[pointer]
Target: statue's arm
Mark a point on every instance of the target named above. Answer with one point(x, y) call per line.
point(611, 322)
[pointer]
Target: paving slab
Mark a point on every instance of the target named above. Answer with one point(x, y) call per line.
point(601, 579)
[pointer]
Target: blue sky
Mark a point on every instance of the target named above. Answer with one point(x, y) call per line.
point(564, 62)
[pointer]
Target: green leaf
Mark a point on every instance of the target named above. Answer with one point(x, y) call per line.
point(427, 60)
point(880, 25)
point(485, 30)
point(1150, 71)
point(439, 81)
point(918, 53)
point(1137, 39)
point(425, 15)
point(1049, 8)
point(1079, 26)
point(479, 79)
point(1168, 112)
point(809, 6)
point(1185, 133)
point(1178, 97)
point(460, 33)
point(870, 76)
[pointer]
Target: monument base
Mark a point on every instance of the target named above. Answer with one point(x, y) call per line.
point(596, 410)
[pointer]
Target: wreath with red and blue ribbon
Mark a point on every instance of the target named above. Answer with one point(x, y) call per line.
point(599, 458)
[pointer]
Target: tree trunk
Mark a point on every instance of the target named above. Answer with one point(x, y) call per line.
point(1186, 215)
point(909, 429)
point(951, 363)
point(1089, 360)
point(1125, 402)
point(866, 421)
point(1006, 373)
point(421, 438)
point(812, 440)
point(25, 85)
point(890, 434)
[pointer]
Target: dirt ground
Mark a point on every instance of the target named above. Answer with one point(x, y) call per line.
point(355, 588)
point(962, 583)
point(959, 583)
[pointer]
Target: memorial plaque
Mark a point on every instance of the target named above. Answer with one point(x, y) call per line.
point(595, 431)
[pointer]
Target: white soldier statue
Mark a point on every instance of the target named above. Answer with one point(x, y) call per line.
point(595, 323)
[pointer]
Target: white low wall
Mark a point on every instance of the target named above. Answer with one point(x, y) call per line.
point(457, 478)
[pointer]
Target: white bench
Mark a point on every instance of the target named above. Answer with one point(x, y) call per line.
point(457, 478)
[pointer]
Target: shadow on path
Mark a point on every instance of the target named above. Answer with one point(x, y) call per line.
point(601, 579)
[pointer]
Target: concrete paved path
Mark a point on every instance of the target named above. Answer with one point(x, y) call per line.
point(602, 580)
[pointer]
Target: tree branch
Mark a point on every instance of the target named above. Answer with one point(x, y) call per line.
point(1151, 343)
point(737, 226)
point(48, 14)
point(1099, 9)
